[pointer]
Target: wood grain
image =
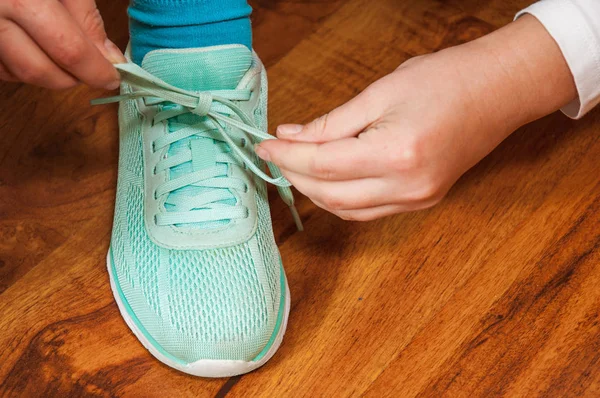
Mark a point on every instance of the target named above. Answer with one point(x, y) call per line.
point(494, 292)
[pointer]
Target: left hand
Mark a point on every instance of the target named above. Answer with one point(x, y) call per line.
point(403, 142)
point(396, 147)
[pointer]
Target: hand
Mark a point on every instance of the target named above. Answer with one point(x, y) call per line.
point(56, 44)
point(402, 143)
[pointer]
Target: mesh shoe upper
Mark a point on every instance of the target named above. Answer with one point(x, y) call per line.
point(219, 303)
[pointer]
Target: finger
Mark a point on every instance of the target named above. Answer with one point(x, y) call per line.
point(25, 61)
point(368, 214)
point(54, 30)
point(372, 213)
point(345, 121)
point(6, 75)
point(87, 16)
point(344, 159)
point(345, 195)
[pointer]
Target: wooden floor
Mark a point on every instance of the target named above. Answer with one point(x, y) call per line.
point(494, 292)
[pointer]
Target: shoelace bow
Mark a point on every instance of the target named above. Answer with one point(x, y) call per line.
point(217, 106)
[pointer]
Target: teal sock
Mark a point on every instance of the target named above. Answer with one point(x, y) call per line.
point(158, 24)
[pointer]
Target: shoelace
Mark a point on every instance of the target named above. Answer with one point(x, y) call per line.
point(218, 107)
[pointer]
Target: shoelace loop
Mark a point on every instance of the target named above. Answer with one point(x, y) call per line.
point(205, 101)
point(216, 106)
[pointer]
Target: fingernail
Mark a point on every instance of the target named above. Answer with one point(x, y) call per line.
point(264, 155)
point(289, 129)
point(113, 86)
point(113, 53)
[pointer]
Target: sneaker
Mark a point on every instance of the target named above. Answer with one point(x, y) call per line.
point(193, 263)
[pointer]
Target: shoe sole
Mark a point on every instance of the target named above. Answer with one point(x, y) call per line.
point(205, 367)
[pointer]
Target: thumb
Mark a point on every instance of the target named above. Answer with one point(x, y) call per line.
point(90, 21)
point(348, 120)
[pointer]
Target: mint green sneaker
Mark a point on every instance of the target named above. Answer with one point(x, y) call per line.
point(193, 263)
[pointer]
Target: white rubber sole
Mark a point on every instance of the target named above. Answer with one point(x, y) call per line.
point(204, 367)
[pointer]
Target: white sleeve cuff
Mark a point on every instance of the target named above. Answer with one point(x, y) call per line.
point(575, 26)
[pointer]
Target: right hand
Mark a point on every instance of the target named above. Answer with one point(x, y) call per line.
point(56, 44)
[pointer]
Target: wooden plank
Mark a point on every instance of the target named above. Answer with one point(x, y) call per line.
point(496, 12)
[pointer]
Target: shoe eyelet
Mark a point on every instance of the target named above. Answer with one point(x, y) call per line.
point(156, 220)
point(247, 213)
point(245, 188)
point(154, 171)
point(155, 196)
point(153, 147)
point(243, 142)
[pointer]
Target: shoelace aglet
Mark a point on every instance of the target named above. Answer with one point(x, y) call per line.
point(296, 218)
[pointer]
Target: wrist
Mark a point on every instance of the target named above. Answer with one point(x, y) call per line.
point(532, 78)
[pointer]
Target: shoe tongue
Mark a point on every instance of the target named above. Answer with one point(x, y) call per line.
point(200, 69)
